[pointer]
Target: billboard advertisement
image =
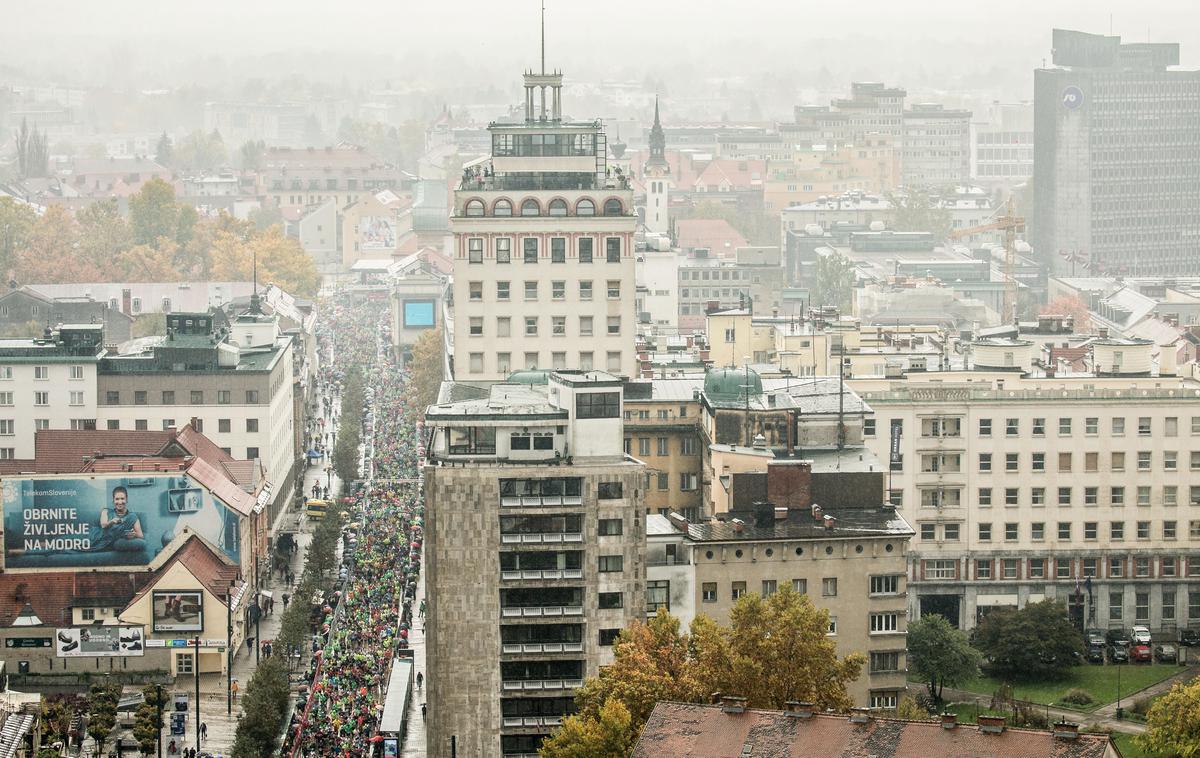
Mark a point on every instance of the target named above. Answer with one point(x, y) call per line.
point(98, 641)
point(108, 521)
point(376, 233)
point(418, 314)
point(178, 611)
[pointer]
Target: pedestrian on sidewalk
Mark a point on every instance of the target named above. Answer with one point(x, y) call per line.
point(286, 596)
point(203, 731)
point(420, 679)
point(233, 686)
point(422, 711)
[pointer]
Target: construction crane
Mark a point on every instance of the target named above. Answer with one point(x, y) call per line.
point(1010, 224)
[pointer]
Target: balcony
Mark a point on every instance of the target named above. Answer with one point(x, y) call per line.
point(536, 574)
point(534, 685)
point(537, 501)
point(540, 538)
point(536, 611)
point(513, 721)
point(679, 560)
point(518, 648)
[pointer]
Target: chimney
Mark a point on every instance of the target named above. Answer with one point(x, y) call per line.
point(860, 715)
point(830, 523)
point(738, 525)
point(1066, 730)
point(949, 720)
point(714, 698)
point(799, 710)
point(127, 301)
point(991, 724)
point(789, 483)
point(733, 704)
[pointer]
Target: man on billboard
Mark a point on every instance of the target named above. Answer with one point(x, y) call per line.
point(120, 529)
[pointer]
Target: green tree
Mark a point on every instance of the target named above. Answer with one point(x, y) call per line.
point(264, 707)
point(153, 213)
point(33, 151)
point(148, 723)
point(1037, 642)
point(164, 151)
point(611, 735)
point(833, 282)
point(201, 151)
point(251, 155)
point(16, 227)
point(917, 210)
point(1173, 723)
point(102, 713)
point(939, 654)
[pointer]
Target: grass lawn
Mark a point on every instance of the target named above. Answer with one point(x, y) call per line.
point(1129, 748)
point(1100, 681)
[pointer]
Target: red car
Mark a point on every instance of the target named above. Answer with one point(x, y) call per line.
point(1140, 654)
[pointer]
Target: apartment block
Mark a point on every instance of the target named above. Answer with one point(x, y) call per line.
point(535, 556)
point(1079, 488)
point(662, 429)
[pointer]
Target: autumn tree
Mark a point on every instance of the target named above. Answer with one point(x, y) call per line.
point(774, 650)
point(200, 150)
point(1069, 305)
point(153, 213)
point(1173, 723)
point(611, 735)
point(428, 360)
point(939, 654)
point(103, 233)
point(50, 255)
point(280, 260)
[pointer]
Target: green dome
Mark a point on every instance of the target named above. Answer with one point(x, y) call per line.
point(731, 383)
point(529, 376)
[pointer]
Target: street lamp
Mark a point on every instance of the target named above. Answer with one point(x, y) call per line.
point(196, 669)
point(229, 649)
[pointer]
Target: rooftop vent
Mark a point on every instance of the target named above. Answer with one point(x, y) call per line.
point(733, 704)
point(799, 710)
point(949, 720)
point(860, 715)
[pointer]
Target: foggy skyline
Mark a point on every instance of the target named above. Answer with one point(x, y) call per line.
point(472, 45)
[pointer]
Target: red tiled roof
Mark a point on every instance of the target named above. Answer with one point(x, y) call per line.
point(681, 729)
point(713, 233)
point(214, 573)
point(52, 593)
point(63, 451)
point(218, 482)
point(738, 174)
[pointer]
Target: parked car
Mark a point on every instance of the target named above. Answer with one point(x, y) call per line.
point(1117, 637)
point(1095, 653)
point(1095, 637)
point(1141, 654)
point(1167, 653)
point(1189, 637)
point(1118, 654)
point(1141, 635)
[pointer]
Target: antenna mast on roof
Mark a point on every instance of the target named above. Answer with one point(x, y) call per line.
point(543, 37)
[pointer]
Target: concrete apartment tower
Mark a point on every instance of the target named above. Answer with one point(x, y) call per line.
point(535, 556)
point(1116, 159)
point(658, 180)
point(544, 256)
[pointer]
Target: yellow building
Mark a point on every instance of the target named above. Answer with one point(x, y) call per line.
point(814, 171)
point(374, 226)
point(662, 429)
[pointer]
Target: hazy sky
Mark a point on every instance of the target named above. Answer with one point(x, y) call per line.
point(916, 43)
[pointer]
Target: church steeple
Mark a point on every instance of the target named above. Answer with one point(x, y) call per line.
point(658, 143)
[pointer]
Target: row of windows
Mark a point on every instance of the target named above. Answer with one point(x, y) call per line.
point(168, 397)
point(558, 360)
point(884, 584)
point(1011, 530)
point(42, 373)
point(558, 290)
point(952, 496)
point(558, 326)
point(1091, 461)
point(531, 249)
point(687, 446)
point(530, 207)
point(41, 398)
point(1118, 567)
point(951, 427)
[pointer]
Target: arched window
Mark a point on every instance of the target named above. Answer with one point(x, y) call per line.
point(530, 207)
point(502, 208)
point(474, 208)
point(585, 207)
point(558, 207)
point(613, 207)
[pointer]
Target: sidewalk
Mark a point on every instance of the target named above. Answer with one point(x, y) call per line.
point(414, 740)
point(222, 726)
